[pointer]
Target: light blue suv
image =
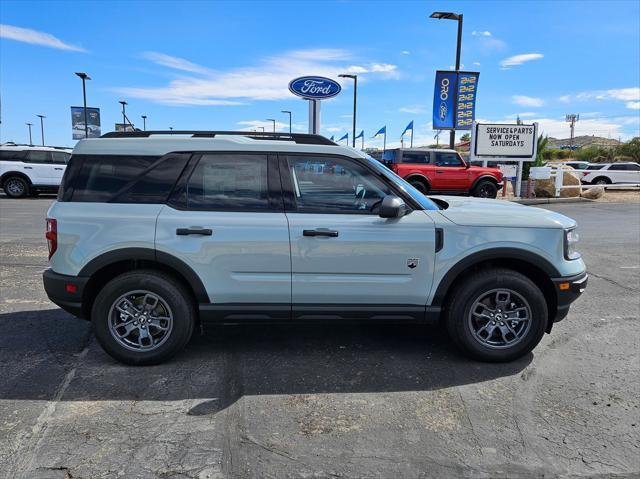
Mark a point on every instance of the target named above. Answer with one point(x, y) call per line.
point(155, 233)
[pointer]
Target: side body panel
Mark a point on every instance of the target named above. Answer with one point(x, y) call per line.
point(246, 259)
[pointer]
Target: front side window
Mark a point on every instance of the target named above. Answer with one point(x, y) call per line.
point(38, 157)
point(595, 167)
point(325, 184)
point(448, 159)
point(60, 157)
point(229, 182)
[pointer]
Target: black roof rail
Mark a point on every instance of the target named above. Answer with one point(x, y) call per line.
point(300, 138)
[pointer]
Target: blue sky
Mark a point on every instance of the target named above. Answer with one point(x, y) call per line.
point(226, 65)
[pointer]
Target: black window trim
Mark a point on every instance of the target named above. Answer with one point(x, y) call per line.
point(178, 198)
point(291, 206)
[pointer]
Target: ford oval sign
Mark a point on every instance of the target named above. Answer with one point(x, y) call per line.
point(314, 88)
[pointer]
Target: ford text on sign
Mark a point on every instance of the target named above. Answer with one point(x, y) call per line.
point(508, 141)
point(444, 100)
point(314, 88)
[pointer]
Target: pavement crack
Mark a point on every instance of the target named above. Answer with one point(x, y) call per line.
point(614, 282)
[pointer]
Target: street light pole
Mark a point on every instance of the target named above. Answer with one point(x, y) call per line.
point(42, 117)
point(274, 123)
point(355, 102)
point(144, 122)
point(124, 115)
point(458, 17)
point(30, 141)
point(289, 113)
point(84, 77)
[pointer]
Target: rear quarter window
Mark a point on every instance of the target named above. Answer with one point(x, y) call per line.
point(121, 179)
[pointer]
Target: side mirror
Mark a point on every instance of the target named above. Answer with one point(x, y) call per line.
point(392, 207)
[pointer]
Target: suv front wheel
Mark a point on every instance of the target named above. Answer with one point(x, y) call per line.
point(16, 187)
point(496, 315)
point(485, 189)
point(143, 317)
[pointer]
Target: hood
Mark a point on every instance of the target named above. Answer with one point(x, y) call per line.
point(467, 211)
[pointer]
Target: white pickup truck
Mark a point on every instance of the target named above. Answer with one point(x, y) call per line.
point(26, 170)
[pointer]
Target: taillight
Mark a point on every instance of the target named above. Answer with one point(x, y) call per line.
point(52, 236)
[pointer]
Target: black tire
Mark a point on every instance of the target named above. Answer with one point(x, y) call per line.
point(170, 292)
point(459, 318)
point(420, 185)
point(16, 187)
point(485, 189)
point(601, 180)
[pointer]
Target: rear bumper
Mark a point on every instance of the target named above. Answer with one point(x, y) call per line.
point(65, 291)
point(568, 289)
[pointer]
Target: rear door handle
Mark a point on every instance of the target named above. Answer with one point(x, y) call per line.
point(28, 167)
point(440, 172)
point(194, 231)
point(57, 168)
point(320, 232)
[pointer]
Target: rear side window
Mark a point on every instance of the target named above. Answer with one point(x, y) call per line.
point(35, 156)
point(595, 167)
point(60, 157)
point(229, 182)
point(121, 179)
point(448, 159)
point(418, 157)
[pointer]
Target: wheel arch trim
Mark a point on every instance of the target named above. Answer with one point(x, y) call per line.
point(482, 178)
point(535, 260)
point(148, 254)
point(20, 174)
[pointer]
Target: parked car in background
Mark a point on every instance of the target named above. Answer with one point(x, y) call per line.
point(578, 165)
point(26, 169)
point(433, 171)
point(154, 234)
point(612, 173)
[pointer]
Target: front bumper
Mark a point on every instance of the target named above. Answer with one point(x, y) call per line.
point(65, 291)
point(567, 291)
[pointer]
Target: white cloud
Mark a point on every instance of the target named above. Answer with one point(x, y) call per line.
point(476, 64)
point(484, 33)
point(34, 37)
point(334, 129)
point(405, 52)
point(413, 109)
point(524, 114)
point(524, 100)
point(258, 125)
point(520, 59)
point(634, 105)
point(631, 96)
point(565, 98)
point(267, 81)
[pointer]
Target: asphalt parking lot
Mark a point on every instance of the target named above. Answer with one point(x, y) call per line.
point(314, 402)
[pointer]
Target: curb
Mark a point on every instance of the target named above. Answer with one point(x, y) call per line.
point(545, 201)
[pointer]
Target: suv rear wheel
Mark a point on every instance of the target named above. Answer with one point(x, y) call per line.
point(485, 189)
point(601, 180)
point(496, 315)
point(143, 317)
point(16, 187)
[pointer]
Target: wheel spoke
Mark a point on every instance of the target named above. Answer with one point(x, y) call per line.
point(145, 340)
point(159, 323)
point(128, 327)
point(485, 313)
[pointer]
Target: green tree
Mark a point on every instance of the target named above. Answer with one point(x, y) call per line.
point(630, 149)
point(465, 137)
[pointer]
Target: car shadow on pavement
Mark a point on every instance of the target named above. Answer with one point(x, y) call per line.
point(41, 350)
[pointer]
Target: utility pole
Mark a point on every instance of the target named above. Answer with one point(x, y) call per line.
point(144, 122)
point(84, 78)
point(355, 103)
point(42, 117)
point(571, 118)
point(274, 123)
point(124, 115)
point(288, 113)
point(30, 141)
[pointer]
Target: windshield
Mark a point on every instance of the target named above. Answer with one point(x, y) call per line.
point(422, 200)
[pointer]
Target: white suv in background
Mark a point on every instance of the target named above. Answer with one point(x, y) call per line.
point(612, 173)
point(26, 170)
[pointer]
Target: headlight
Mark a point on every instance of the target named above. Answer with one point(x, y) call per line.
point(571, 238)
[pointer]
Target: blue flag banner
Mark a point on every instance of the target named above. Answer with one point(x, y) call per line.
point(454, 100)
point(409, 127)
point(345, 137)
point(332, 138)
point(466, 99)
point(361, 135)
point(381, 131)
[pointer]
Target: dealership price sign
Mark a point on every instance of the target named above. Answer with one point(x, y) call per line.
point(454, 100)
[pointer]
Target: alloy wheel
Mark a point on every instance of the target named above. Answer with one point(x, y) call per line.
point(140, 320)
point(499, 318)
point(15, 187)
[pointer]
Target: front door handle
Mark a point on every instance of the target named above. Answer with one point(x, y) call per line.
point(320, 232)
point(57, 168)
point(440, 172)
point(194, 231)
point(28, 168)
